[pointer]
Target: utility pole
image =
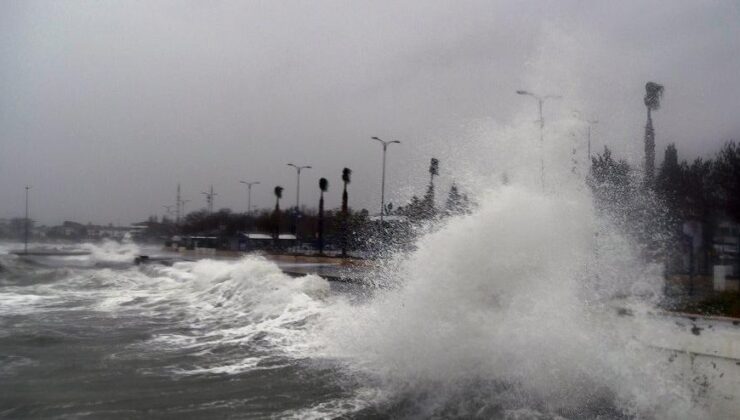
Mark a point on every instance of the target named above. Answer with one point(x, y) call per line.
point(297, 214)
point(298, 185)
point(209, 199)
point(540, 101)
point(589, 124)
point(25, 230)
point(178, 206)
point(382, 176)
point(249, 194)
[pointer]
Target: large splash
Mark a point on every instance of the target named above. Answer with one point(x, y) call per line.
point(512, 308)
point(510, 311)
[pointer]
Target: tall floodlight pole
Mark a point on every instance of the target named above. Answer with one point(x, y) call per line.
point(249, 194)
point(589, 124)
point(209, 199)
point(168, 210)
point(298, 185)
point(540, 101)
point(25, 230)
point(382, 176)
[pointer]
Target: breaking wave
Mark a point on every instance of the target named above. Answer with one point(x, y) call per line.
point(507, 312)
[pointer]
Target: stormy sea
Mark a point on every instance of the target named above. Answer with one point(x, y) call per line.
point(514, 311)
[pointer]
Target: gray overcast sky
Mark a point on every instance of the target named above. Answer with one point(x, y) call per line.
point(106, 105)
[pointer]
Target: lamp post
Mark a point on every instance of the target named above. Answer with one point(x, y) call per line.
point(25, 229)
point(589, 124)
point(178, 206)
point(298, 185)
point(540, 101)
point(382, 177)
point(297, 214)
point(249, 194)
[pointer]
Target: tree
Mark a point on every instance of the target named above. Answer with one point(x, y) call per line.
point(346, 179)
point(700, 200)
point(726, 175)
point(670, 189)
point(323, 186)
point(607, 171)
point(669, 181)
point(454, 204)
point(433, 168)
point(276, 214)
point(653, 93)
point(610, 183)
point(429, 209)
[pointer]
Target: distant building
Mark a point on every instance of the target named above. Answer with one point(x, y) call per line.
point(723, 248)
point(726, 243)
point(110, 232)
point(258, 241)
point(195, 242)
point(68, 230)
point(39, 232)
point(391, 218)
point(77, 231)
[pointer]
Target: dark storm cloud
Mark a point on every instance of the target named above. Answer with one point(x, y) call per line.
point(106, 106)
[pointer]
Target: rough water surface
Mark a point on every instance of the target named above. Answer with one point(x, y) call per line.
point(507, 312)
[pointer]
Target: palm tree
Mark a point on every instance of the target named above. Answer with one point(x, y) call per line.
point(323, 186)
point(434, 168)
point(346, 179)
point(453, 200)
point(653, 93)
point(276, 213)
point(429, 196)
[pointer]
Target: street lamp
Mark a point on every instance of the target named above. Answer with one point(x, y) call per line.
point(589, 123)
point(298, 185)
point(382, 179)
point(25, 229)
point(540, 101)
point(249, 194)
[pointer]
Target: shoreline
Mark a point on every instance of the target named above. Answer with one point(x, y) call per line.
point(352, 270)
point(336, 269)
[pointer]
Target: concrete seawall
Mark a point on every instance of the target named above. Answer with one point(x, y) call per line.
point(707, 353)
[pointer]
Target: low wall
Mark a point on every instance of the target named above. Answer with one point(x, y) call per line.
point(707, 351)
